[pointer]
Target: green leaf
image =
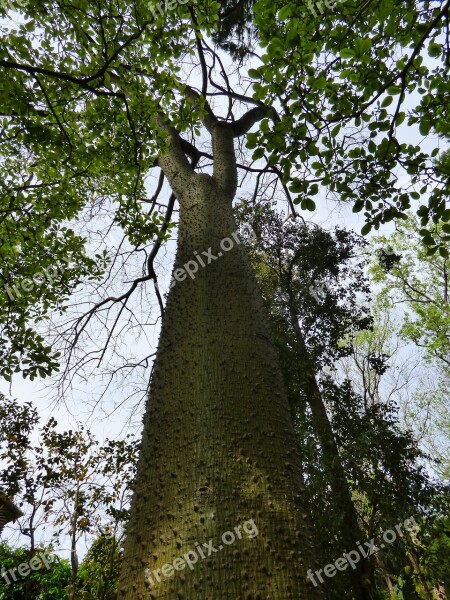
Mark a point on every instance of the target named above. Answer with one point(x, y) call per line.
point(285, 12)
point(424, 127)
point(400, 118)
point(347, 53)
point(358, 206)
point(335, 130)
point(252, 140)
point(366, 45)
point(308, 204)
point(434, 50)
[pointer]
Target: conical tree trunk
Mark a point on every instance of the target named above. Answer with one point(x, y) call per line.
point(218, 446)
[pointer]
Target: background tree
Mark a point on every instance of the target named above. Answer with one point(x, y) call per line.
point(418, 281)
point(42, 583)
point(363, 472)
point(393, 470)
point(63, 481)
point(98, 575)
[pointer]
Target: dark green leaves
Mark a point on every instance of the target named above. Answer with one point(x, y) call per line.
point(346, 83)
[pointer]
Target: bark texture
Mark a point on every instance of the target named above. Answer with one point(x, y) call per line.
point(218, 446)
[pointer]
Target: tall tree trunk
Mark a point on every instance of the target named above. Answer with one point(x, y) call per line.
point(73, 546)
point(218, 446)
point(419, 574)
point(362, 578)
point(386, 574)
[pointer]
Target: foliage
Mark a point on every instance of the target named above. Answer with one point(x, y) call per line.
point(82, 87)
point(382, 463)
point(236, 32)
point(41, 584)
point(436, 543)
point(61, 159)
point(308, 275)
point(96, 579)
point(419, 280)
point(99, 572)
point(65, 478)
point(341, 76)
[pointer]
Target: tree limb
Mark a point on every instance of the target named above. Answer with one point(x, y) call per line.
point(246, 122)
point(173, 161)
point(209, 119)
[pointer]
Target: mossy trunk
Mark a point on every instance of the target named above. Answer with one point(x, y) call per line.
point(218, 447)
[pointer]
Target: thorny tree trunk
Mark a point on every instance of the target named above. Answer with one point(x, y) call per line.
point(218, 446)
point(362, 578)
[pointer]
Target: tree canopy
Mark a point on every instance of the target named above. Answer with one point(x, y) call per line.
point(83, 86)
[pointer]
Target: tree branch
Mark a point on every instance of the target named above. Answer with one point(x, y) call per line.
point(209, 119)
point(173, 161)
point(225, 168)
point(246, 122)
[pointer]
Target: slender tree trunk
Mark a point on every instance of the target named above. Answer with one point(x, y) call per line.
point(73, 548)
point(218, 446)
point(362, 578)
point(419, 574)
point(386, 575)
point(28, 591)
